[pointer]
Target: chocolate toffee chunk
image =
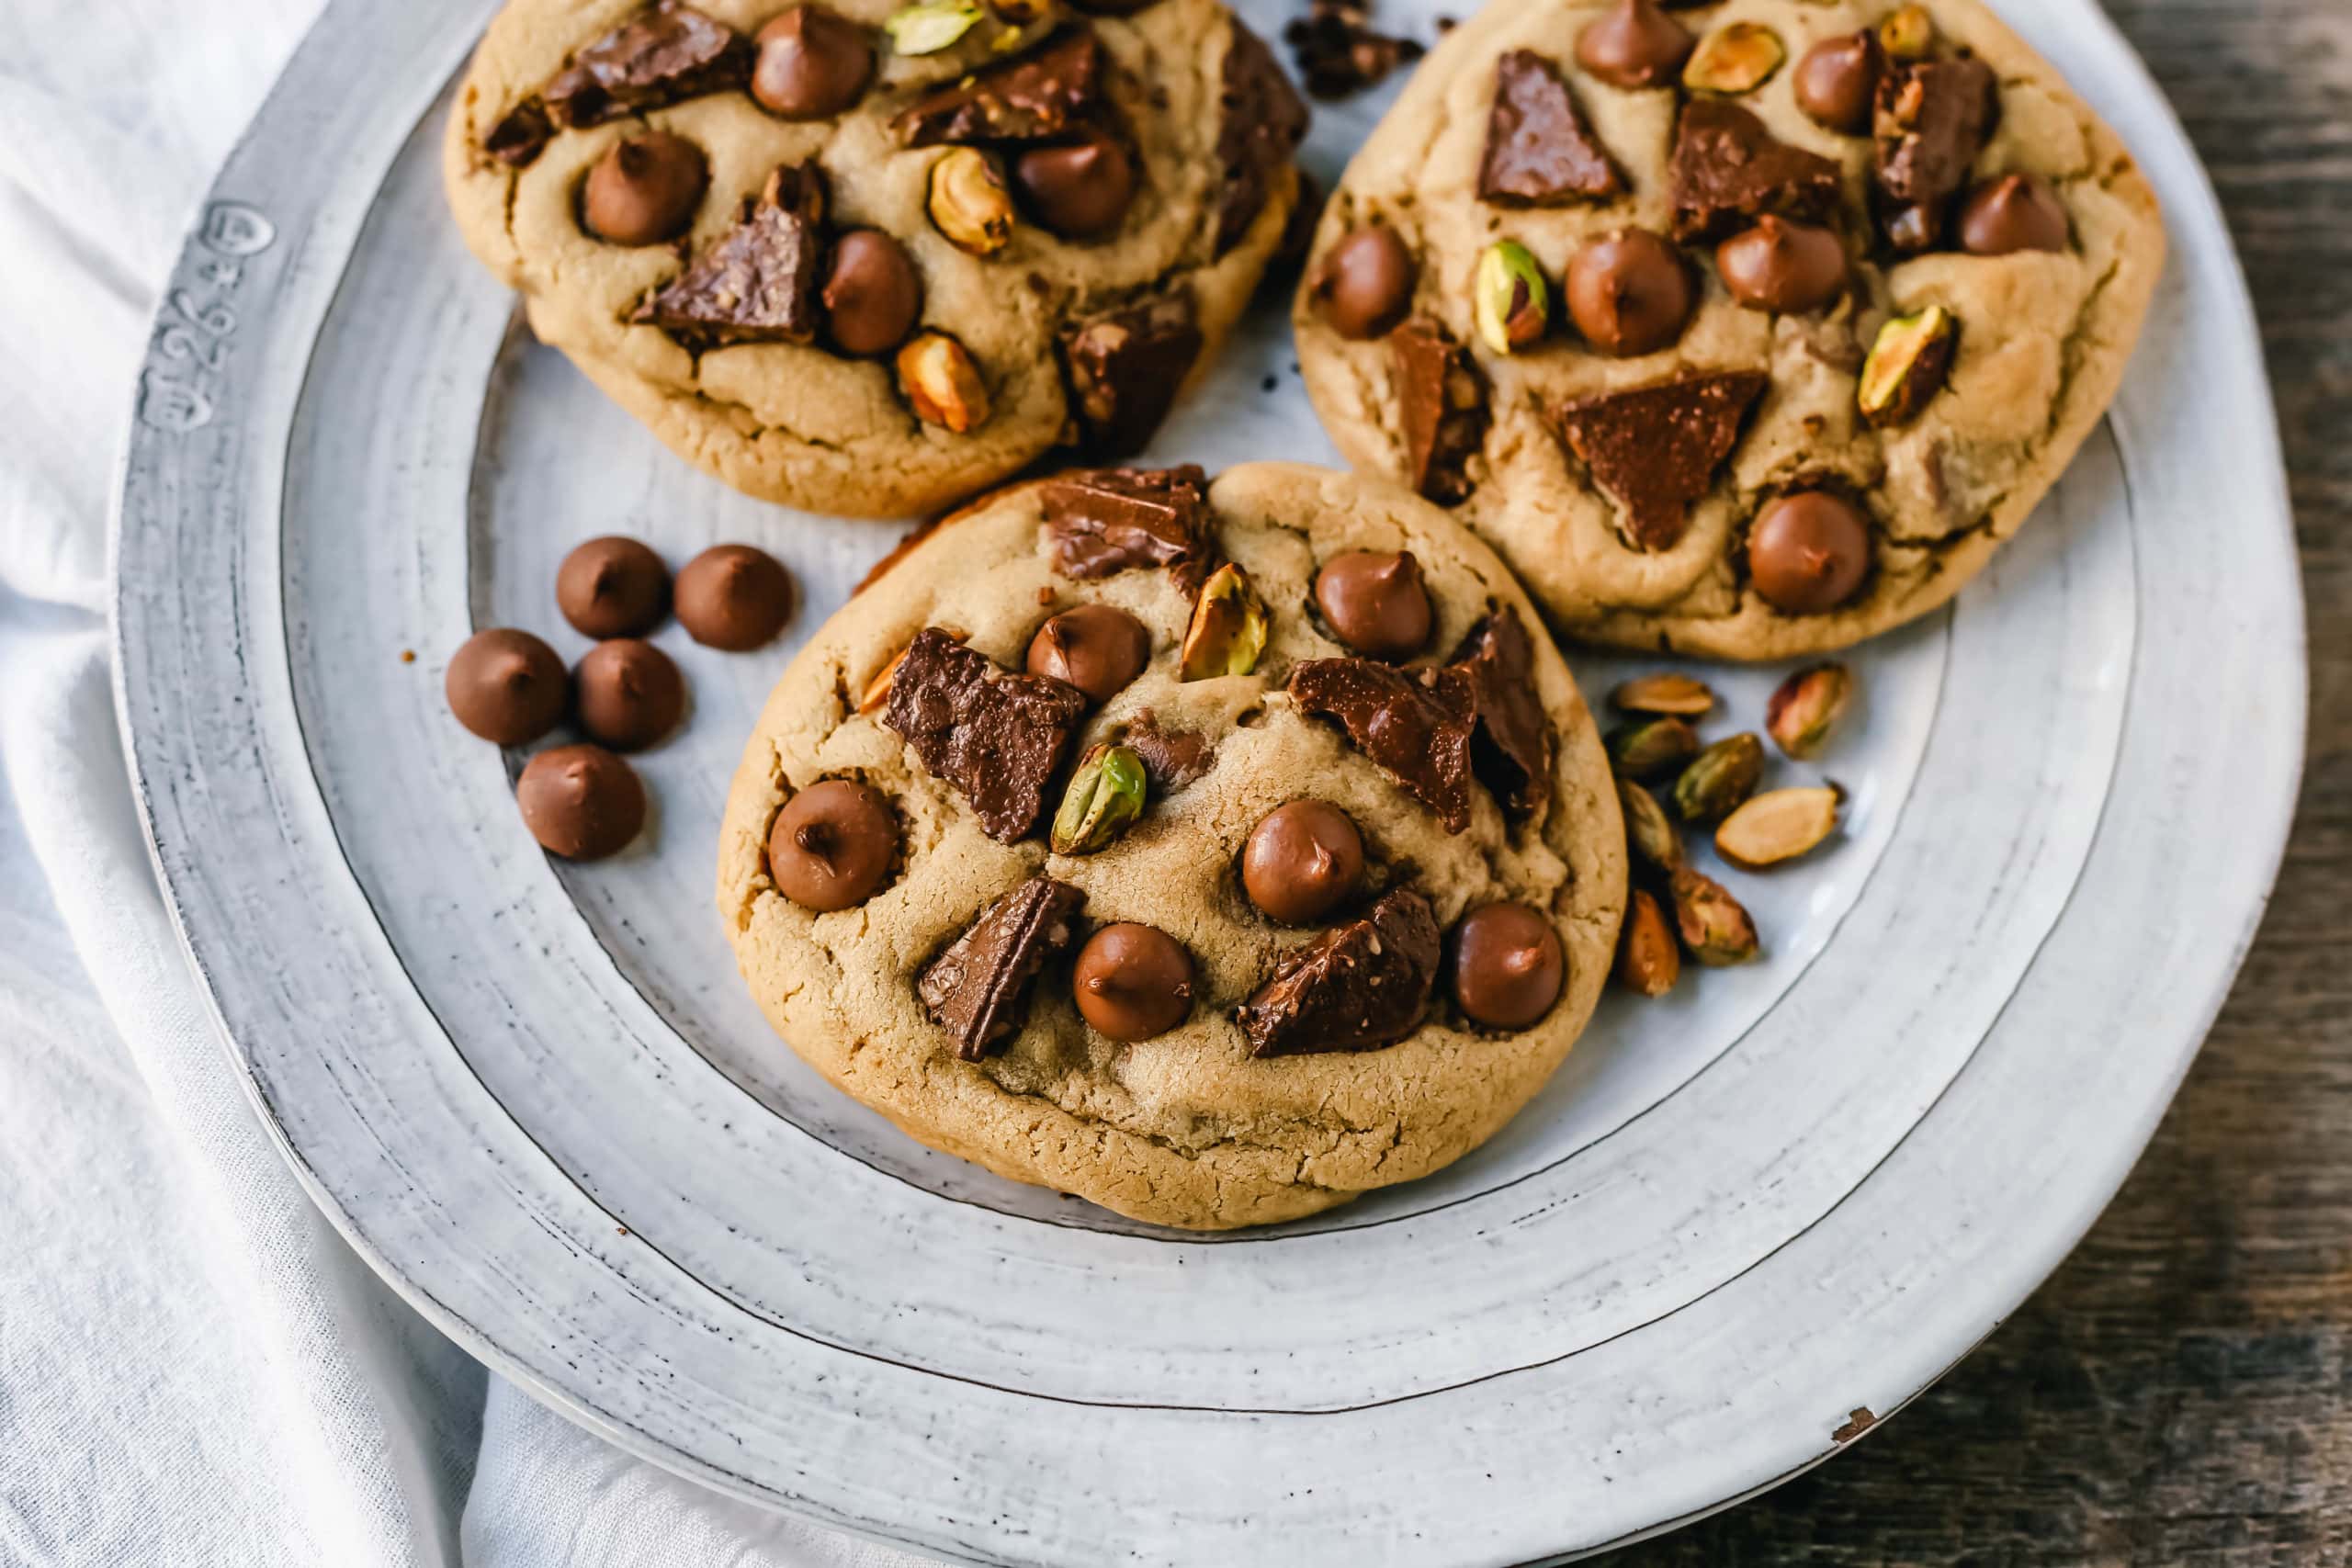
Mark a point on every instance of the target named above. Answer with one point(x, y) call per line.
point(998, 737)
point(1366, 283)
point(1302, 861)
point(758, 283)
point(519, 139)
point(1726, 166)
point(873, 293)
point(1108, 519)
point(1096, 647)
point(1931, 120)
point(1080, 190)
point(1445, 413)
point(1337, 51)
point(2016, 212)
point(1629, 293)
point(1809, 552)
point(1836, 81)
point(630, 694)
point(506, 686)
point(1506, 966)
point(1132, 981)
point(1540, 151)
point(1634, 45)
point(1356, 987)
point(812, 63)
point(1263, 122)
point(1376, 601)
point(978, 989)
point(644, 190)
point(1511, 749)
point(666, 52)
point(580, 802)
point(612, 586)
point(1656, 450)
point(1172, 758)
point(734, 597)
point(1040, 97)
point(1124, 369)
point(1416, 724)
point(832, 845)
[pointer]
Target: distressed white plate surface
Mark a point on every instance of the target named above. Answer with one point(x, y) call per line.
point(535, 1097)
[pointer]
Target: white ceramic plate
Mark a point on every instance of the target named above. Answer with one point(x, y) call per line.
point(535, 1096)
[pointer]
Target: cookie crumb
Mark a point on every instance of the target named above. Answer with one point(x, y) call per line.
point(408, 656)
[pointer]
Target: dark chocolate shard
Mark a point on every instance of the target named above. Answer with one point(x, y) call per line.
point(665, 53)
point(1416, 724)
point(1356, 987)
point(518, 140)
point(1264, 121)
point(758, 282)
point(1932, 120)
point(1125, 368)
point(1444, 403)
point(978, 988)
point(1339, 54)
point(1728, 169)
point(998, 737)
point(1109, 520)
point(1172, 758)
point(1038, 98)
point(1511, 749)
point(1655, 450)
point(1540, 151)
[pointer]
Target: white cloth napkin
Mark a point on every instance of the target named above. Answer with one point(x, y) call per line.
point(194, 1369)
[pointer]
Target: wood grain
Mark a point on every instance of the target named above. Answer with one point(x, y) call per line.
point(2181, 1392)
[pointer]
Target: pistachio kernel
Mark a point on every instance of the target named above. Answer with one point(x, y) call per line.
point(1779, 824)
point(1737, 57)
point(968, 203)
point(1807, 707)
point(942, 383)
point(1715, 926)
point(1105, 795)
point(1719, 779)
point(1510, 300)
point(1909, 364)
point(1678, 695)
point(1228, 628)
point(929, 26)
point(1649, 750)
point(1650, 833)
point(1649, 962)
point(877, 694)
point(1908, 34)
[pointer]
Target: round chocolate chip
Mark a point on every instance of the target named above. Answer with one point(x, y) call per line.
point(1837, 80)
point(1303, 861)
point(1635, 45)
point(630, 695)
point(1095, 648)
point(1079, 191)
point(1376, 601)
point(812, 63)
point(1629, 293)
point(644, 190)
point(873, 293)
point(1809, 552)
point(1506, 965)
point(2016, 212)
point(612, 587)
point(506, 686)
point(1787, 267)
point(580, 802)
point(1132, 981)
point(832, 845)
point(1366, 283)
point(733, 597)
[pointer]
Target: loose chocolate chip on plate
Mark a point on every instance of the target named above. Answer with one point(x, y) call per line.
point(612, 586)
point(1837, 79)
point(580, 802)
point(1540, 151)
point(871, 293)
point(665, 53)
point(1261, 124)
point(1510, 751)
point(1132, 981)
point(1506, 965)
point(1635, 45)
point(1124, 369)
point(1080, 190)
point(1355, 988)
point(1809, 552)
point(813, 63)
point(1302, 861)
point(978, 988)
point(1726, 166)
point(2016, 212)
point(644, 190)
point(1096, 647)
point(506, 686)
point(832, 845)
point(1444, 410)
point(998, 737)
point(1629, 293)
point(758, 282)
point(630, 695)
point(1376, 601)
point(1655, 450)
point(1039, 98)
point(1416, 724)
point(1781, 266)
point(1366, 283)
point(1931, 121)
point(734, 597)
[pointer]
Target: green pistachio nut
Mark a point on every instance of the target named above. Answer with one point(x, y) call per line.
point(1807, 708)
point(1712, 924)
point(928, 28)
point(1664, 693)
point(1652, 749)
point(1910, 362)
point(1228, 628)
point(1513, 303)
point(1105, 795)
point(1650, 833)
point(1719, 779)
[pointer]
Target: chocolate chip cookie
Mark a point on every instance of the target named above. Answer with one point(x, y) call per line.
point(1215, 851)
point(1747, 329)
point(865, 258)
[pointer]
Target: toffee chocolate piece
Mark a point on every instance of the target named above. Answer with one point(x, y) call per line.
point(978, 988)
point(1124, 369)
point(1356, 987)
point(758, 283)
point(1655, 450)
point(1262, 125)
point(1445, 413)
point(1510, 751)
point(1726, 166)
point(997, 736)
point(1041, 98)
point(1931, 120)
point(519, 139)
point(1106, 520)
point(1416, 724)
point(665, 53)
point(1337, 51)
point(1172, 758)
point(1540, 151)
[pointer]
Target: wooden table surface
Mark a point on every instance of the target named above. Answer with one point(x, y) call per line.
point(2180, 1392)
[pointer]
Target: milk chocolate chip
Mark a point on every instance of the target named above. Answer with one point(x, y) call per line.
point(580, 802)
point(812, 64)
point(2016, 212)
point(1506, 965)
point(506, 686)
point(612, 586)
point(1080, 190)
point(1376, 601)
point(1096, 647)
point(1629, 293)
point(1366, 284)
point(1809, 552)
point(1785, 268)
point(644, 190)
point(832, 845)
point(1132, 981)
point(1634, 45)
point(630, 695)
point(873, 293)
point(734, 597)
point(1837, 78)
point(1302, 861)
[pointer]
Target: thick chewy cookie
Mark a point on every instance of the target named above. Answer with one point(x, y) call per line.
point(1746, 330)
point(1213, 852)
point(869, 259)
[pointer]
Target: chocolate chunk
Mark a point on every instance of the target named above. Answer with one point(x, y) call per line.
point(1511, 748)
point(1262, 125)
point(665, 53)
point(1132, 981)
point(1107, 520)
point(832, 845)
point(758, 283)
point(978, 989)
point(1415, 723)
point(997, 736)
point(1655, 450)
point(1303, 860)
point(1355, 988)
point(734, 597)
point(1366, 284)
point(580, 802)
point(1124, 369)
point(1932, 120)
point(1446, 415)
point(1040, 99)
point(1339, 54)
point(627, 694)
point(507, 686)
point(1540, 151)
point(1172, 758)
point(1726, 166)
point(518, 140)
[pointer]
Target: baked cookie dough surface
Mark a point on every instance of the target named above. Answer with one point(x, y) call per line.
point(1186, 1127)
point(1192, 100)
point(2039, 335)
